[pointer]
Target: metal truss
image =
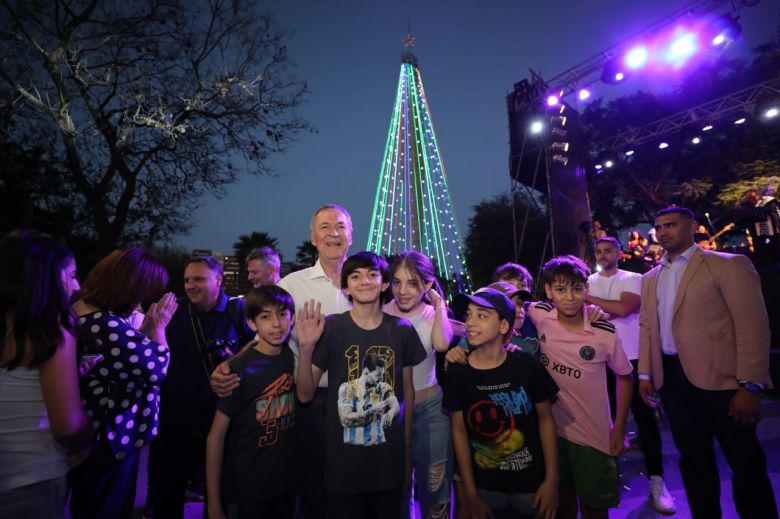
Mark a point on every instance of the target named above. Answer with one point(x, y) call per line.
point(729, 105)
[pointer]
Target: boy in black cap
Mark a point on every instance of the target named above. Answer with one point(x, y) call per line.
point(503, 430)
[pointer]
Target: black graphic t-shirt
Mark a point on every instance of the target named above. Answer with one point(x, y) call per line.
point(259, 459)
point(501, 420)
point(365, 433)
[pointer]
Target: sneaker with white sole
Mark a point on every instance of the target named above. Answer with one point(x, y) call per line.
point(663, 501)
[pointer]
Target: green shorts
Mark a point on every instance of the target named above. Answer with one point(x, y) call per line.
point(589, 473)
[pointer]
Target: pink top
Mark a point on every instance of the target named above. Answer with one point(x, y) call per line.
point(577, 362)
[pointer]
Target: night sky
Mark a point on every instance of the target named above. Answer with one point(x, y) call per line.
point(470, 55)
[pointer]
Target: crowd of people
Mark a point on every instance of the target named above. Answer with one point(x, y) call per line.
point(352, 389)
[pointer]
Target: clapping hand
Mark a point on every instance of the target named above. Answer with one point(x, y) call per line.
point(161, 312)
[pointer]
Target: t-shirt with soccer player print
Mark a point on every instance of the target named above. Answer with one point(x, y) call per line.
point(364, 438)
point(501, 420)
point(577, 361)
point(259, 447)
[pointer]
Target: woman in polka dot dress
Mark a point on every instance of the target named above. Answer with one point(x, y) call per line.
point(121, 392)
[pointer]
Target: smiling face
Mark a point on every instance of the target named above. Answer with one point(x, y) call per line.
point(484, 326)
point(408, 290)
point(331, 233)
point(365, 286)
point(272, 325)
point(674, 231)
point(568, 297)
point(201, 285)
point(262, 273)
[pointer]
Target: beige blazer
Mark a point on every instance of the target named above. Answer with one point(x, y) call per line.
point(719, 324)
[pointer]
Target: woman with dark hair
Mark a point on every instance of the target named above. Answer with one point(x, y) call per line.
point(122, 391)
point(42, 421)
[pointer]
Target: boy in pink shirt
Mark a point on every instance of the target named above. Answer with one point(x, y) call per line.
point(576, 353)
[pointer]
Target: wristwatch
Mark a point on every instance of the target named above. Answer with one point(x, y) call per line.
point(752, 387)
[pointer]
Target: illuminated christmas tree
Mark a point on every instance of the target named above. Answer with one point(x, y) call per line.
point(412, 208)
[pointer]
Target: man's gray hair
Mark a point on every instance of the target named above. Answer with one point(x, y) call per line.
point(266, 255)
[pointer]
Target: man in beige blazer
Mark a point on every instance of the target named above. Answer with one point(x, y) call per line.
point(704, 345)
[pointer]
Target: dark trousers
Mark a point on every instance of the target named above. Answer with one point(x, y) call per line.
point(696, 417)
point(310, 448)
point(376, 505)
point(174, 458)
point(103, 487)
point(649, 435)
point(277, 507)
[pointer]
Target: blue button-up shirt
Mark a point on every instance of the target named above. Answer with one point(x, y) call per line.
point(666, 292)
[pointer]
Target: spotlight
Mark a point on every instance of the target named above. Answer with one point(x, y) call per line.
point(557, 132)
point(560, 158)
point(537, 127)
point(724, 31)
point(609, 164)
point(696, 140)
point(614, 71)
point(558, 120)
point(741, 120)
point(583, 94)
point(707, 128)
point(663, 145)
point(598, 167)
point(560, 146)
point(629, 153)
point(682, 48)
point(636, 57)
point(552, 100)
point(772, 113)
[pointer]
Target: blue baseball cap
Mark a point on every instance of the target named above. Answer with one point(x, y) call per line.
point(487, 298)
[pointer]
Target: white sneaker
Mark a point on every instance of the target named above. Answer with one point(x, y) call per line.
point(663, 501)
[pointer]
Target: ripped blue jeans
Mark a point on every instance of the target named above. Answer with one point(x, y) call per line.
point(432, 460)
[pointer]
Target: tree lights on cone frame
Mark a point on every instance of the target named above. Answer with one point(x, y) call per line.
point(412, 207)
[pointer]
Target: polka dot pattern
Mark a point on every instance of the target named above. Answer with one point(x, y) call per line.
point(122, 394)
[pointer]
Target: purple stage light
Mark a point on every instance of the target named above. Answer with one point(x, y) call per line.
point(583, 94)
point(609, 164)
point(682, 48)
point(629, 153)
point(537, 127)
point(741, 120)
point(636, 57)
point(720, 39)
point(663, 145)
point(707, 128)
point(619, 76)
point(772, 113)
point(553, 100)
point(696, 140)
point(599, 166)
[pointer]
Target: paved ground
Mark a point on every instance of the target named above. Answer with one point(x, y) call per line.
point(634, 501)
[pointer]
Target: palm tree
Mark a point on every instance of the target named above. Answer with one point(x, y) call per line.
point(248, 242)
point(306, 253)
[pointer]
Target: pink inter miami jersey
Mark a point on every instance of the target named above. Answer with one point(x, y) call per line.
point(577, 362)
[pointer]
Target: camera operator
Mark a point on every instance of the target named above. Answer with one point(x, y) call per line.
point(207, 328)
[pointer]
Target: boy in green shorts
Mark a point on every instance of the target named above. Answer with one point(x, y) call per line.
point(576, 353)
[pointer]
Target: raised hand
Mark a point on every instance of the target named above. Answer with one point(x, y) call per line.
point(161, 312)
point(309, 324)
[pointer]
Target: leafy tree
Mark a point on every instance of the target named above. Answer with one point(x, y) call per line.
point(248, 242)
point(761, 175)
point(490, 239)
point(306, 253)
point(122, 114)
